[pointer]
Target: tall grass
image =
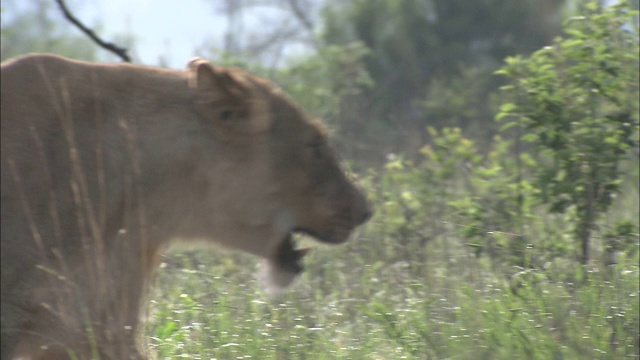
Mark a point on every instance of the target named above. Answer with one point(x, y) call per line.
point(365, 301)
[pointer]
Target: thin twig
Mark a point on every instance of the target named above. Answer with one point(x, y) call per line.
point(119, 51)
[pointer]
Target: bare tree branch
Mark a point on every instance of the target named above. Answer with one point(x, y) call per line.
point(119, 51)
point(300, 14)
point(304, 19)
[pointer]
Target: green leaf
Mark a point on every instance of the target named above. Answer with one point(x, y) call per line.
point(529, 137)
point(508, 126)
point(575, 33)
point(508, 107)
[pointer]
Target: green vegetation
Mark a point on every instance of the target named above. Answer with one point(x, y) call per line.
point(356, 303)
point(432, 61)
point(528, 250)
point(577, 101)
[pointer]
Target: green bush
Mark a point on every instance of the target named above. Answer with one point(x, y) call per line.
point(577, 101)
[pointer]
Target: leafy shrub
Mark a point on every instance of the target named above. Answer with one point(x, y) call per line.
point(577, 101)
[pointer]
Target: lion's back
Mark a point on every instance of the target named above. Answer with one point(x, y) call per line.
point(30, 160)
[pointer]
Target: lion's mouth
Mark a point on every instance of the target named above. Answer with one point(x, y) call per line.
point(288, 257)
point(286, 262)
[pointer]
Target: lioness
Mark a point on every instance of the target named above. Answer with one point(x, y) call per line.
point(104, 166)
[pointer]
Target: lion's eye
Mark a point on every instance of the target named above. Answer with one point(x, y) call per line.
point(233, 115)
point(226, 115)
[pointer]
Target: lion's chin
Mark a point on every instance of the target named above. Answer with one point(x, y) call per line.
point(280, 271)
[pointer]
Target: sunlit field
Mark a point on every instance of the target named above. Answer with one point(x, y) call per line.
point(393, 292)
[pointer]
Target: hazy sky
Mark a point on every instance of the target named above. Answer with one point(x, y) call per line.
point(161, 28)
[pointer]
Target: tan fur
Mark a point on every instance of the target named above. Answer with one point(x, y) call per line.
point(104, 166)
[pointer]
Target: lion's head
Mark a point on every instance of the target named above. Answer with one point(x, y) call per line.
point(292, 173)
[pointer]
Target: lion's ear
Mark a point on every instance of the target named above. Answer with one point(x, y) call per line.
point(227, 98)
